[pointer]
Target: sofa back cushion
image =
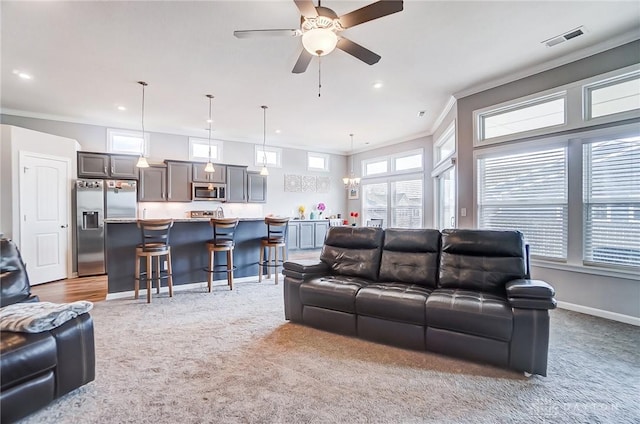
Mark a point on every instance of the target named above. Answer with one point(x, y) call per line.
point(410, 256)
point(482, 260)
point(353, 251)
point(13, 276)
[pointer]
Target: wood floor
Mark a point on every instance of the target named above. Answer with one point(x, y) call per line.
point(94, 289)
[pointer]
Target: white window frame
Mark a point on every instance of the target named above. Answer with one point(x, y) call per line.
point(522, 103)
point(391, 164)
point(114, 132)
point(575, 109)
point(205, 141)
point(449, 133)
point(588, 89)
point(258, 159)
point(389, 181)
point(324, 156)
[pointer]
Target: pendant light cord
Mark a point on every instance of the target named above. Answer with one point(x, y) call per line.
point(209, 143)
point(264, 135)
point(319, 73)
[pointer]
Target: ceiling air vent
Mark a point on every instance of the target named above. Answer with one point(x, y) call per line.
point(576, 32)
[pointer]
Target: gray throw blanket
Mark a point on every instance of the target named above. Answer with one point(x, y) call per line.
point(40, 316)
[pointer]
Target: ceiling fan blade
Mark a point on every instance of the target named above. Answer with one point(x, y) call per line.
point(373, 11)
point(306, 8)
point(357, 51)
point(253, 33)
point(303, 62)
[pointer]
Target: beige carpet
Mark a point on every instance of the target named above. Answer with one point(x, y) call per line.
point(230, 357)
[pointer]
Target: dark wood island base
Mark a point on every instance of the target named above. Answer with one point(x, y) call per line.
point(188, 251)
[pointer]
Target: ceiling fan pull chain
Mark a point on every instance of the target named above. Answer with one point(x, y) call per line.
point(319, 74)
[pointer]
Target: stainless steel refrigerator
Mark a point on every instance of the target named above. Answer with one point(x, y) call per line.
point(97, 200)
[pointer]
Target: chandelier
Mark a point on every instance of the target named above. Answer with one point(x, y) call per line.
point(351, 182)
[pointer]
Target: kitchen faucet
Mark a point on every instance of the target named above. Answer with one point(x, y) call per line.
point(219, 212)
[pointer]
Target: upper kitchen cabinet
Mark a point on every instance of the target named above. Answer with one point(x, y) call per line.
point(236, 184)
point(256, 187)
point(178, 181)
point(103, 165)
point(153, 184)
point(200, 176)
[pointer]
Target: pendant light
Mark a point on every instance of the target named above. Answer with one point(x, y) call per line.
point(351, 182)
point(264, 170)
point(209, 167)
point(142, 161)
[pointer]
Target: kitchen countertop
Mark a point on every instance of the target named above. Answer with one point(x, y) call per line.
point(133, 220)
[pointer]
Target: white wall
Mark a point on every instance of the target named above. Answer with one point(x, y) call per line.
point(176, 147)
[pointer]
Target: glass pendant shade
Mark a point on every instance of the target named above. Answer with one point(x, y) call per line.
point(142, 162)
point(319, 41)
point(264, 171)
point(209, 167)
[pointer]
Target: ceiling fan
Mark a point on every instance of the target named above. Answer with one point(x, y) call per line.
point(320, 28)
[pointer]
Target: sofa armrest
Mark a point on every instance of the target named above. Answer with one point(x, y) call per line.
point(530, 294)
point(305, 269)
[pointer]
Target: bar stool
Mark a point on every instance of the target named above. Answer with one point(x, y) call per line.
point(222, 241)
point(276, 238)
point(155, 245)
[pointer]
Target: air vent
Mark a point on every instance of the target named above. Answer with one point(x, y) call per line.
point(576, 32)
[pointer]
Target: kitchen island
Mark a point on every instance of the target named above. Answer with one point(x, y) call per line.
point(188, 251)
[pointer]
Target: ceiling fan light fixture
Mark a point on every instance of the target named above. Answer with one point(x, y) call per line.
point(319, 41)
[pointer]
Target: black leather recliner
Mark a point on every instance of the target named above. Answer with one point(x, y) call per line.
point(36, 368)
point(464, 293)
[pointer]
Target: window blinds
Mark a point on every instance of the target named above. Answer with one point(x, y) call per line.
point(527, 192)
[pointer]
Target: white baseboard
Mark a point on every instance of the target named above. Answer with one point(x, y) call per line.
point(614, 316)
point(181, 287)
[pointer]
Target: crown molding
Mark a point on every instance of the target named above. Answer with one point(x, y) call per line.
point(614, 42)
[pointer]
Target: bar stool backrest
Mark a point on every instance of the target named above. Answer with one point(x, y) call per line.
point(277, 229)
point(155, 233)
point(223, 230)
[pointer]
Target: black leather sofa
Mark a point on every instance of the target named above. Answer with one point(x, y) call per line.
point(463, 293)
point(36, 368)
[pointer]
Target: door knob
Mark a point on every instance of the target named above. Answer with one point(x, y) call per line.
point(63, 226)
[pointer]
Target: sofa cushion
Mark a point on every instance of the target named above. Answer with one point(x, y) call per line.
point(333, 292)
point(25, 356)
point(481, 260)
point(353, 251)
point(470, 312)
point(410, 256)
point(393, 301)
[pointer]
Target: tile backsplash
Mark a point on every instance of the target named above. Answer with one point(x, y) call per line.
point(157, 210)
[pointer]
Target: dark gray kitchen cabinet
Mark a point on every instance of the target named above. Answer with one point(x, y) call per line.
point(153, 184)
point(200, 176)
point(236, 184)
point(178, 181)
point(104, 165)
point(256, 187)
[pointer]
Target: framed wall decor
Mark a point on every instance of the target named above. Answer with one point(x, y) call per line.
point(354, 193)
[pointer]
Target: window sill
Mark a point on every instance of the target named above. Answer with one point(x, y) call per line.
point(591, 270)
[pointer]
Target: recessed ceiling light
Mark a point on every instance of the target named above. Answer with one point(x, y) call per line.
point(278, 131)
point(377, 85)
point(122, 108)
point(209, 121)
point(22, 75)
point(421, 113)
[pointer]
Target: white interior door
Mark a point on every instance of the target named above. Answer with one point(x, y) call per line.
point(44, 216)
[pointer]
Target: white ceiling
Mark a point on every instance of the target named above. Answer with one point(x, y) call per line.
point(85, 58)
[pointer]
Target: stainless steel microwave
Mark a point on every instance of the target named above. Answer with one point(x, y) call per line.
point(209, 191)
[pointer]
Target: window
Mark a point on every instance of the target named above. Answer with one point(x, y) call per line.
point(317, 161)
point(127, 142)
point(542, 112)
point(398, 163)
point(621, 94)
point(611, 196)
point(375, 201)
point(272, 156)
point(527, 192)
point(445, 146)
point(406, 204)
point(199, 149)
point(446, 199)
point(375, 167)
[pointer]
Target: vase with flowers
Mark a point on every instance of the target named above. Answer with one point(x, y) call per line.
point(301, 210)
point(321, 208)
point(354, 215)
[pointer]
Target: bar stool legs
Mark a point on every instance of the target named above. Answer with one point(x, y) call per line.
point(229, 266)
point(273, 260)
point(222, 241)
point(153, 272)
